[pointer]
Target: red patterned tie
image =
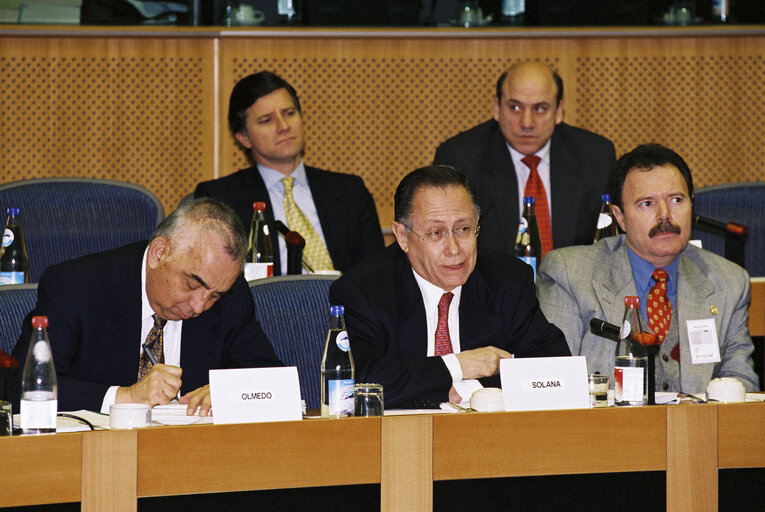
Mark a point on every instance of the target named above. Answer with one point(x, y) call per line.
point(443, 340)
point(536, 189)
point(659, 309)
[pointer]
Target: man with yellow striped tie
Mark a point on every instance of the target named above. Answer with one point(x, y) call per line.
point(333, 212)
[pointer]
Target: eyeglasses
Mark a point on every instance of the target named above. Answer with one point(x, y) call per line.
point(460, 233)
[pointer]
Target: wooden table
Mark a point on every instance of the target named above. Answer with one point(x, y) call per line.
point(110, 470)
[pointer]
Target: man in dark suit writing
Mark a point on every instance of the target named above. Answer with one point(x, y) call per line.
point(526, 150)
point(334, 212)
point(431, 315)
point(181, 295)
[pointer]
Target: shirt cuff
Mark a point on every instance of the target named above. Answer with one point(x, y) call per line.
point(465, 388)
point(109, 398)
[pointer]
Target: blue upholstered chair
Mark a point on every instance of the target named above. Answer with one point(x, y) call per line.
point(16, 300)
point(63, 218)
point(294, 313)
point(743, 203)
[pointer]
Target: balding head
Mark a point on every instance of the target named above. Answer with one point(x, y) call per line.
point(528, 105)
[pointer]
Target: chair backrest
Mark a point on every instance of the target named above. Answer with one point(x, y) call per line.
point(738, 202)
point(63, 218)
point(294, 313)
point(16, 301)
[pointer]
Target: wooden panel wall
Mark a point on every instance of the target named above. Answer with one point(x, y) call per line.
point(152, 110)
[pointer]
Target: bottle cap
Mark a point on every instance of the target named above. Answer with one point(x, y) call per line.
point(528, 200)
point(337, 310)
point(39, 321)
point(259, 206)
point(13, 211)
point(631, 301)
point(606, 198)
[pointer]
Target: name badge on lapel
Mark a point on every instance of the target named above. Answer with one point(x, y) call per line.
point(702, 338)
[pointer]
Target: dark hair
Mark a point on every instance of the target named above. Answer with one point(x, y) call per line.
point(212, 215)
point(645, 158)
point(556, 78)
point(437, 176)
point(248, 90)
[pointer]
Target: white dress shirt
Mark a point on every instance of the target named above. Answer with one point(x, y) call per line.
point(522, 174)
point(431, 295)
point(171, 337)
point(301, 193)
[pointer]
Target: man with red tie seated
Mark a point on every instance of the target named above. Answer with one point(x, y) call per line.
point(686, 293)
point(526, 150)
point(431, 316)
point(182, 295)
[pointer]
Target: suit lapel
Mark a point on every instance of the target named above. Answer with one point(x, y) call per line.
point(412, 326)
point(500, 179)
point(478, 326)
point(126, 323)
point(566, 193)
point(613, 284)
point(693, 293)
point(326, 199)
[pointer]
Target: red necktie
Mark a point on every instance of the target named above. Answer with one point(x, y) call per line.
point(443, 340)
point(535, 189)
point(659, 309)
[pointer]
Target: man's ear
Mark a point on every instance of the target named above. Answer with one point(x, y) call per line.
point(619, 216)
point(159, 249)
point(243, 139)
point(400, 231)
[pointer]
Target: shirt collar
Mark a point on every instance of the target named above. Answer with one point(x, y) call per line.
point(146, 311)
point(543, 153)
point(642, 270)
point(273, 178)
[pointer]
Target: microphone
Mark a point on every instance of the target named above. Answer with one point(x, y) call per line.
point(295, 246)
point(733, 228)
point(604, 329)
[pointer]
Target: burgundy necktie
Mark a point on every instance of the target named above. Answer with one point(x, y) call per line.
point(536, 189)
point(443, 340)
point(659, 309)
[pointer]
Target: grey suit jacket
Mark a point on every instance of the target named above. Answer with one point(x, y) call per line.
point(576, 284)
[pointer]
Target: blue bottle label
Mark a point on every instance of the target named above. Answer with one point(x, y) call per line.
point(343, 342)
point(340, 397)
point(8, 237)
point(11, 278)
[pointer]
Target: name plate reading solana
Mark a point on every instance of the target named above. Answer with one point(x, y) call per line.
point(544, 383)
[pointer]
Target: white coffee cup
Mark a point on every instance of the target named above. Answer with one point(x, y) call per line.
point(726, 389)
point(127, 416)
point(487, 400)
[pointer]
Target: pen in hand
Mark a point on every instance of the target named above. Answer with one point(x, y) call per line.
point(153, 361)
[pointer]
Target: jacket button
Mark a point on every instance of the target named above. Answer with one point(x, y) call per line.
point(665, 386)
point(664, 358)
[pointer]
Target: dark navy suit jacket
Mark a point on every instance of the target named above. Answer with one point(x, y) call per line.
point(385, 317)
point(345, 207)
point(580, 165)
point(93, 305)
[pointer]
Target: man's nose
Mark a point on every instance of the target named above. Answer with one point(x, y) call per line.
point(281, 123)
point(527, 119)
point(198, 301)
point(452, 245)
point(663, 210)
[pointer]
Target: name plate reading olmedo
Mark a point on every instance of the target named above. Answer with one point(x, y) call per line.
point(544, 383)
point(250, 395)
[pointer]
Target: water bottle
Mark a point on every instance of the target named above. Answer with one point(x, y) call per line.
point(528, 246)
point(259, 261)
point(721, 11)
point(513, 11)
point(606, 223)
point(14, 263)
point(631, 365)
point(337, 371)
point(39, 390)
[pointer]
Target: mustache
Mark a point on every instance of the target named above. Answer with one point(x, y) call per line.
point(664, 227)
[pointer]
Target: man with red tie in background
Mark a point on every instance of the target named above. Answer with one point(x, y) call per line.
point(431, 315)
point(526, 150)
point(685, 292)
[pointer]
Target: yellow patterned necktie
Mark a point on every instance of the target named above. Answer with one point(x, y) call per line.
point(315, 252)
point(154, 343)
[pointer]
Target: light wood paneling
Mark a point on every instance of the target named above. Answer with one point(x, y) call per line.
point(407, 463)
point(521, 443)
point(741, 436)
point(691, 458)
point(757, 307)
point(41, 469)
point(258, 456)
point(149, 106)
point(109, 471)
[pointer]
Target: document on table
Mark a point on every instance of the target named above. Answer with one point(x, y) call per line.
point(175, 414)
